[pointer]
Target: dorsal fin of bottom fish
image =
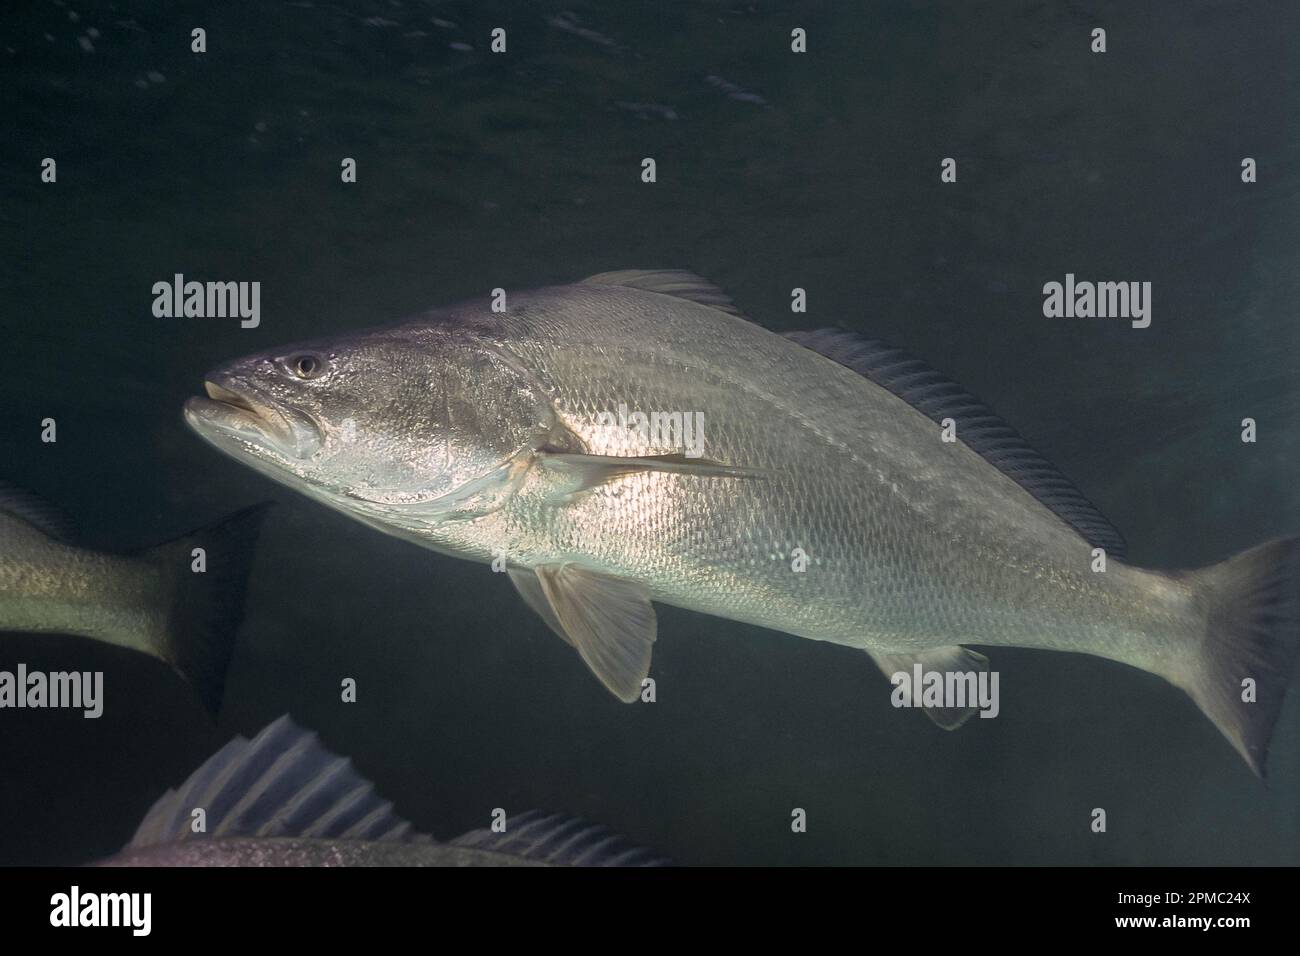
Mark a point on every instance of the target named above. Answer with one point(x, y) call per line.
point(282, 797)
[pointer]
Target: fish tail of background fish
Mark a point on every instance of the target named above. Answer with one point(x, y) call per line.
point(170, 601)
point(204, 609)
point(1239, 667)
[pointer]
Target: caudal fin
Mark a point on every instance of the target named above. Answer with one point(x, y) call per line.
point(206, 606)
point(1248, 654)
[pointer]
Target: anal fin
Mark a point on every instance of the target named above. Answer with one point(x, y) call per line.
point(941, 660)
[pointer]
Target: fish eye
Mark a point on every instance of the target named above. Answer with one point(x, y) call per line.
point(306, 365)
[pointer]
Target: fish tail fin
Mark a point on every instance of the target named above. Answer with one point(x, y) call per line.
point(207, 605)
point(1248, 653)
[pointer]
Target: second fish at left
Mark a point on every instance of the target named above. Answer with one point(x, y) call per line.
point(151, 601)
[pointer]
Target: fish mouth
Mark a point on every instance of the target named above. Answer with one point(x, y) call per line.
point(239, 414)
point(219, 393)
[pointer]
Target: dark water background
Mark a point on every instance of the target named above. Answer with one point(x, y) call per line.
point(478, 171)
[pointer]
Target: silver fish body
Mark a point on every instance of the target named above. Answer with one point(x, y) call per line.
point(912, 542)
point(819, 502)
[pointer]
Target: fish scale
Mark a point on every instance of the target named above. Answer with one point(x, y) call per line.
point(901, 528)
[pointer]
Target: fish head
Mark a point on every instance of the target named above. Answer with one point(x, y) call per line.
point(421, 416)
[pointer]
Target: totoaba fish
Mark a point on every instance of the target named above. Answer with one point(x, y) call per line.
point(283, 799)
point(151, 601)
point(492, 436)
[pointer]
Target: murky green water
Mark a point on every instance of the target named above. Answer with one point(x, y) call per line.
point(775, 170)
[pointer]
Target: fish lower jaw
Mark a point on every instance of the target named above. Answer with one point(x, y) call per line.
point(253, 431)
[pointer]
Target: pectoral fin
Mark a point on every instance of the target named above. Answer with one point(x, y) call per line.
point(942, 660)
point(609, 621)
point(589, 471)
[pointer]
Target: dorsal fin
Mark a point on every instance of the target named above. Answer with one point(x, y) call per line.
point(935, 396)
point(674, 282)
point(563, 840)
point(282, 783)
point(38, 513)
